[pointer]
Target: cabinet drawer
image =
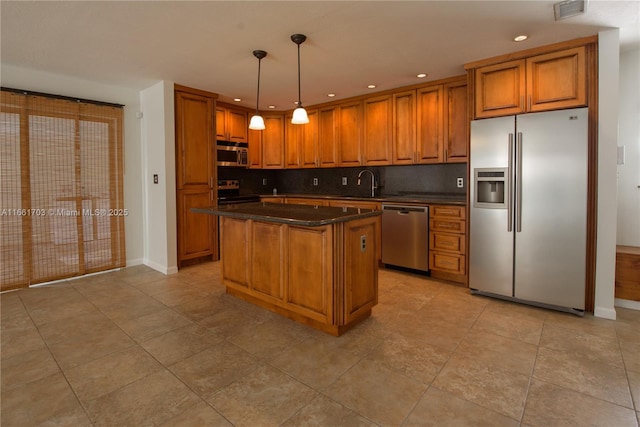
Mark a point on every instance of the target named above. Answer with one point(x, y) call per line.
point(450, 263)
point(447, 211)
point(447, 225)
point(447, 242)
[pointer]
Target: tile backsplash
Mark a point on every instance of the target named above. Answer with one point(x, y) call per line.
point(440, 178)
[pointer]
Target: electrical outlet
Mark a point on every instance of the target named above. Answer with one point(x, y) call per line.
point(344, 180)
point(315, 182)
point(264, 181)
point(363, 243)
point(460, 182)
point(155, 178)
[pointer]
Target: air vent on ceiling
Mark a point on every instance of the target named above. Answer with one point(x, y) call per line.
point(569, 8)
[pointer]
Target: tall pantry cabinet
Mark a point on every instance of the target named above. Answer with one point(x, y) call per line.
point(195, 174)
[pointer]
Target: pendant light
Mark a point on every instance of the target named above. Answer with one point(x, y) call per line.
point(299, 114)
point(257, 122)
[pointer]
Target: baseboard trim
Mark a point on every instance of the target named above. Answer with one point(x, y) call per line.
point(134, 262)
point(161, 268)
point(625, 303)
point(605, 313)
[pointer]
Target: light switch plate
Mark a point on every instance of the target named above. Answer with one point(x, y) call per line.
point(621, 155)
point(344, 180)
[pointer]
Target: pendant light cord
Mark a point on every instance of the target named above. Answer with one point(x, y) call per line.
point(258, 95)
point(299, 96)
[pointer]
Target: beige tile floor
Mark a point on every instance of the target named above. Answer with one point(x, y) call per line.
point(137, 348)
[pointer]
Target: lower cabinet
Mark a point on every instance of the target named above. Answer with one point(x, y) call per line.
point(447, 242)
point(325, 276)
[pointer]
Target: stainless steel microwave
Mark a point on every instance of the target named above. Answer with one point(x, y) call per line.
point(231, 153)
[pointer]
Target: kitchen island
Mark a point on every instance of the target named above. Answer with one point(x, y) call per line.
point(317, 265)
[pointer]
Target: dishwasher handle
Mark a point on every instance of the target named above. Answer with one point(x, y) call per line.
point(404, 210)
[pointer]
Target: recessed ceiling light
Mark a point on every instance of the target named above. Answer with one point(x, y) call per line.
point(237, 99)
point(271, 106)
point(371, 86)
point(520, 38)
point(422, 75)
point(331, 95)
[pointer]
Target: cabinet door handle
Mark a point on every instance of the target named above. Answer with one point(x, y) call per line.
point(529, 102)
point(522, 102)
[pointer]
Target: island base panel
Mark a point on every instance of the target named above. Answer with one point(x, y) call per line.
point(330, 329)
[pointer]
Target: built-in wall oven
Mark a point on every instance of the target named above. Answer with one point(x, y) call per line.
point(231, 153)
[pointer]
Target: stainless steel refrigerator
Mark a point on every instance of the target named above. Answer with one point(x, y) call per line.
point(528, 214)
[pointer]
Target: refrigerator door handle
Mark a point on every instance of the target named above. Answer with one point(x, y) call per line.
point(508, 187)
point(519, 183)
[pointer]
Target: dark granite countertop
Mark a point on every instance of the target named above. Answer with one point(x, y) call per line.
point(424, 198)
point(308, 216)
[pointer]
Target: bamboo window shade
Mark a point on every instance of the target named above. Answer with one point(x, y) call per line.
point(61, 190)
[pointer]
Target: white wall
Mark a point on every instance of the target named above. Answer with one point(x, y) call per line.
point(158, 146)
point(39, 81)
point(608, 76)
point(629, 137)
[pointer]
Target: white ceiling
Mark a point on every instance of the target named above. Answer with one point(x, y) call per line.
point(208, 44)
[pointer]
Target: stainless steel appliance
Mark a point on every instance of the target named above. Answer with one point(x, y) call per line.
point(231, 153)
point(229, 193)
point(528, 214)
point(405, 236)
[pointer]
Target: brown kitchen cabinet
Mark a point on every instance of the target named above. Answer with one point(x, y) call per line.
point(447, 242)
point(328, 137)
point(549, 81)
point(319, 276)
point(403, 139)
point(301, 142)
point(231, 124)
point(378, 124)
point(273, 142)
point(350, 129)
point(255, 149)
point(292, 142)
point(456, 122)
point(431, 124)
point(429, 142)
point(195, 174)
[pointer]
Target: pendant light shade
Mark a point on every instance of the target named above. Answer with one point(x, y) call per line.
point(299, 114)
point(257, 122)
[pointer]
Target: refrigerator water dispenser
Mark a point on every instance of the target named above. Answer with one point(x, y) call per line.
point(491, 186)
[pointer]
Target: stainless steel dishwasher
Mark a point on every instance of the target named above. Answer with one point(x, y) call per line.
point(405, 236)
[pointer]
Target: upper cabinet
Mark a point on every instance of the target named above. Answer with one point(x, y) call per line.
point(542, 82)
point(328, 137)
point(255, 149)
point(403, 138)
point(430, 124)
point(421, 125)
point(557, 80)
point(309, 150)
point(231, 124)
point(301, 142)
point(273, 142)
point(350, 134)
point(430, 116)
point(456, 122)
point(378, 124)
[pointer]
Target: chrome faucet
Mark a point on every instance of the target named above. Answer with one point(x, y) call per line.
point(373, 181)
